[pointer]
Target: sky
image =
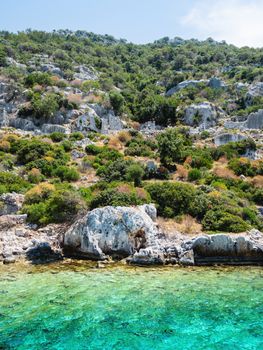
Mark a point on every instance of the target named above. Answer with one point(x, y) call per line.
point(238, 22)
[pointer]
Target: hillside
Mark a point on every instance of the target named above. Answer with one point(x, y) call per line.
point(89, 121)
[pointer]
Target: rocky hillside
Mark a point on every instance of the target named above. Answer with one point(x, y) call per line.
point(89, 121)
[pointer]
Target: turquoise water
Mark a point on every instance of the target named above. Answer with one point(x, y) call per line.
point(68, 306)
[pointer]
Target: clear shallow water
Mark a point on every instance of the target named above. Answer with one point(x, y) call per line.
point(71, 307)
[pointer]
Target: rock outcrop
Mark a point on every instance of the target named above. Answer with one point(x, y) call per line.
point(185, 84)
point(10, 203)
point(225, 249)
point(224, 138)
point(203, 115)
point(132, 233)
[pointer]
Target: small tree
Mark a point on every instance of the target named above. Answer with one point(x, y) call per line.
point(135, 173)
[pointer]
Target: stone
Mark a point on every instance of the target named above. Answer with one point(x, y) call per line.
point(204, 115)
point(222, 248)
point(187, 258)
point(216, 83)
point(11, 203)
point(224, 138)
point(115, 231)
point(255, 90)
point(50, 128)
point(84, 73)
point(185, 84)
point(255, 120)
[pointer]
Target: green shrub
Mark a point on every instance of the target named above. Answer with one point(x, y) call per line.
point(194, 174)
point(76, 136)
point(219, 220)
point(66, 173)
point(10, 182)
point(135, 173)
point(57, 136)
point(172, 145)
point(115, 198)
point(175, 198)
point(30, 150)
point(54, 206)
point(38, 78)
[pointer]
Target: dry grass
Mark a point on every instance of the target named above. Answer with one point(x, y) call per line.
point(115, 143)
point(75, 98)
point(181, 172)
point(220, 169)
point(257, 181)
point(187, 225)
point(124, 136)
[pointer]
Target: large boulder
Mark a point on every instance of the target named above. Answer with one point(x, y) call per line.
point(114, 231)
point(203, 115)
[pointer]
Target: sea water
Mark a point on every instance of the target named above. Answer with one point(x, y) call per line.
point(76, 306)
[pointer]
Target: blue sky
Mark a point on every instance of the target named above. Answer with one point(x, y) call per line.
point(140, 21)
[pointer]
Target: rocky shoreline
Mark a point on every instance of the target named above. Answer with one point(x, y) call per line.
point(129, 234)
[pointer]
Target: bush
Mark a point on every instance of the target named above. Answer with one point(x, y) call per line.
point(30, 150)
point(66, 173)
point(116, 198)
point(45, 204)
point(35, 176)
point(10, 182)
point(194, 174)
point(38, 78)
point(135, 173)
point(172, 145)
point(57, 136)
point(172, 199)
point(5, 146)
point(219, 220)
point(76, 136)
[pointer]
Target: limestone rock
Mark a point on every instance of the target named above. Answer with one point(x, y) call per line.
point(204, 115)
point(224, 138)
point(185, 84)
point(222, 248)
point(11, 203)
point(115, 231)
point(216, 83)
point(255, 90)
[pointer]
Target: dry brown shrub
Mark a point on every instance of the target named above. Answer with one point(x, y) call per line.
point(189, 225)
point(124, 136)
point(181, 172)
point(223, 160)
point(257, 181)
point(55, 79)
point(141, 193)
point(115, 143)
point(76, 82)
point(75, 98)
point(5, 146)
point(188, 160)
point(92, 98)
point(124, 188)
point(134, 125)
point(223, 172)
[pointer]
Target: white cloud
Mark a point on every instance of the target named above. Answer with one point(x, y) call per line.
point(239, 22)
